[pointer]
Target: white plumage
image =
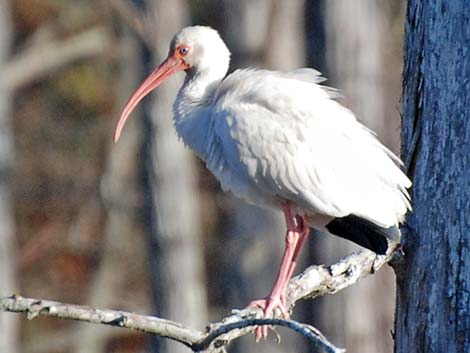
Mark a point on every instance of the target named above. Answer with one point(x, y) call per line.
point(269, 136)
point(280, 140)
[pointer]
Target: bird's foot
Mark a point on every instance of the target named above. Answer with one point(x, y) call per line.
point(269, 305)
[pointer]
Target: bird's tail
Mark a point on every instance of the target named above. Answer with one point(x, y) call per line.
point(364, 233)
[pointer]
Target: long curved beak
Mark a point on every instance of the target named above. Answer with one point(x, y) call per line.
point(171, 65)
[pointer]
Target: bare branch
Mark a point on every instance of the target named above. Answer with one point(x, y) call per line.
point(320, 280)
point(314, 281)
point(144, 323)
point(38, 61)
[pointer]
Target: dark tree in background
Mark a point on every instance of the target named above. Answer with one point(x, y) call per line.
point(433, 302)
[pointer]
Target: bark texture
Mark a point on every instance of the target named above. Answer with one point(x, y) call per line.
point(433, 301)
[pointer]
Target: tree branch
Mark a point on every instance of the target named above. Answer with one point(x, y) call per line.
point(305, 330)
point(38, 61)
point(314, 281)
point(149, 324)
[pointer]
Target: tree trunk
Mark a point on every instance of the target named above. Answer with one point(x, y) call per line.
point(118, 193)
point(433, 297)
point(363, 61)
point(176, 251)
point(8, 322)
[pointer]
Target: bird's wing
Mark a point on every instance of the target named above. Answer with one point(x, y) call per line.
point(287, 138)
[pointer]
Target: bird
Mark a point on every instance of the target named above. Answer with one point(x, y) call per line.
point(282, 140)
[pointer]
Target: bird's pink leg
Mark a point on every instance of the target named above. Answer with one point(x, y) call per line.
point(295, 239)
point(304, 233)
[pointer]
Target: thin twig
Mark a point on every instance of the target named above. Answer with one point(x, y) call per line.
point(308, 331)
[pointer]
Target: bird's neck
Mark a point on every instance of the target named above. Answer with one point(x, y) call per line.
point(199, 86)
point(192, 109)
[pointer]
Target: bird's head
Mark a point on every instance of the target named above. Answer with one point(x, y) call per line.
point(201, 49)
point(198, 50)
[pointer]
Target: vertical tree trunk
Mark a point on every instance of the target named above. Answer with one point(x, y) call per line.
point(177, 252)
point(118, 194)
point(8, 322)
point(359, 42)
point(433, 299)
point(363, 52)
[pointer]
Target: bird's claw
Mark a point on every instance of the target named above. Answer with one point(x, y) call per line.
point(268, 305)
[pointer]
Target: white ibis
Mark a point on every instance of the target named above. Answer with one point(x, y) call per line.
point(279, 139)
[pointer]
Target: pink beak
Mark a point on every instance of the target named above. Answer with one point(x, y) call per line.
point(171, 65)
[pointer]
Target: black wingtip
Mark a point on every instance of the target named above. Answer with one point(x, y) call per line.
point(364, 233)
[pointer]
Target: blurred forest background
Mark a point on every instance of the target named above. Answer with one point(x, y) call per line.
point(141, 225)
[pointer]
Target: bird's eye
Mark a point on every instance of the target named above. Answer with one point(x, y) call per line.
point(184, 50)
